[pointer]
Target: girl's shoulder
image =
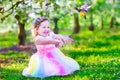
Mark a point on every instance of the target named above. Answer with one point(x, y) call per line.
point(38, 37)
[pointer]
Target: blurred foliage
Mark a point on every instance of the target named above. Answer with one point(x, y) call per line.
point(62, 9)
point(97, 51)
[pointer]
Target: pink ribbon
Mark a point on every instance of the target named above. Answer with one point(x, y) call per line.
point(44, 50)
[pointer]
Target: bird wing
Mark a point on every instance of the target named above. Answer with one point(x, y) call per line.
point(85, 7)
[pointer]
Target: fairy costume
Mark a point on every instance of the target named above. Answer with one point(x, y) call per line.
point(49, 61)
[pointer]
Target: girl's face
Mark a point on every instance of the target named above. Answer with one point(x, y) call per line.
point(44, 28)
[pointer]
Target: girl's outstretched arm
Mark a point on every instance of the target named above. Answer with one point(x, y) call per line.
point(65, 38)
point(43, 41)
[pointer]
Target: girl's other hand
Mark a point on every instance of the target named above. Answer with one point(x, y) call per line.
point(61, 44)
point(68, 39)
point(57, 37)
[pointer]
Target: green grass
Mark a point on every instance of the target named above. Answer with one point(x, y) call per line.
point(98, 54)
point(8, 39)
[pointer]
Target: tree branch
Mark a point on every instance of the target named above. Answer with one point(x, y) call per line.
point(15, 5)
point(11, 8)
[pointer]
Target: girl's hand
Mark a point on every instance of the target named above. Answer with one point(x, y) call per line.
point(67, 39)
point(61, 44)
point(57, 37)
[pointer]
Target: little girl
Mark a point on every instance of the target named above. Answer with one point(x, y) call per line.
point(49, 60)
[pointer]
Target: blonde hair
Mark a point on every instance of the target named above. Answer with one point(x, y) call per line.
point(36, 25)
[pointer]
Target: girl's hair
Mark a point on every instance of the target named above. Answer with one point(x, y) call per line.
point(37, 23)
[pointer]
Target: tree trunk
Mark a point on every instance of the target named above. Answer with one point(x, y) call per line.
point(21, 34)
point(76, 24)
point(56, 29)
point(91, 27)
point(112, 22)
point(21, 31)
point(102, 23)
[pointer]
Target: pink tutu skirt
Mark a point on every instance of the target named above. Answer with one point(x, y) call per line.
point(50, 61)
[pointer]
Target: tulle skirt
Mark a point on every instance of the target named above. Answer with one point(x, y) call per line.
point(52, 63)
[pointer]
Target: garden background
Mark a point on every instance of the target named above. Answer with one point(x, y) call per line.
point(96, 45)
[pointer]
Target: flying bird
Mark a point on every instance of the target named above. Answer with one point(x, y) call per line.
point(83, 9)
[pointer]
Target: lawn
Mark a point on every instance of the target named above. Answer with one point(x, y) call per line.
point(97, 52)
